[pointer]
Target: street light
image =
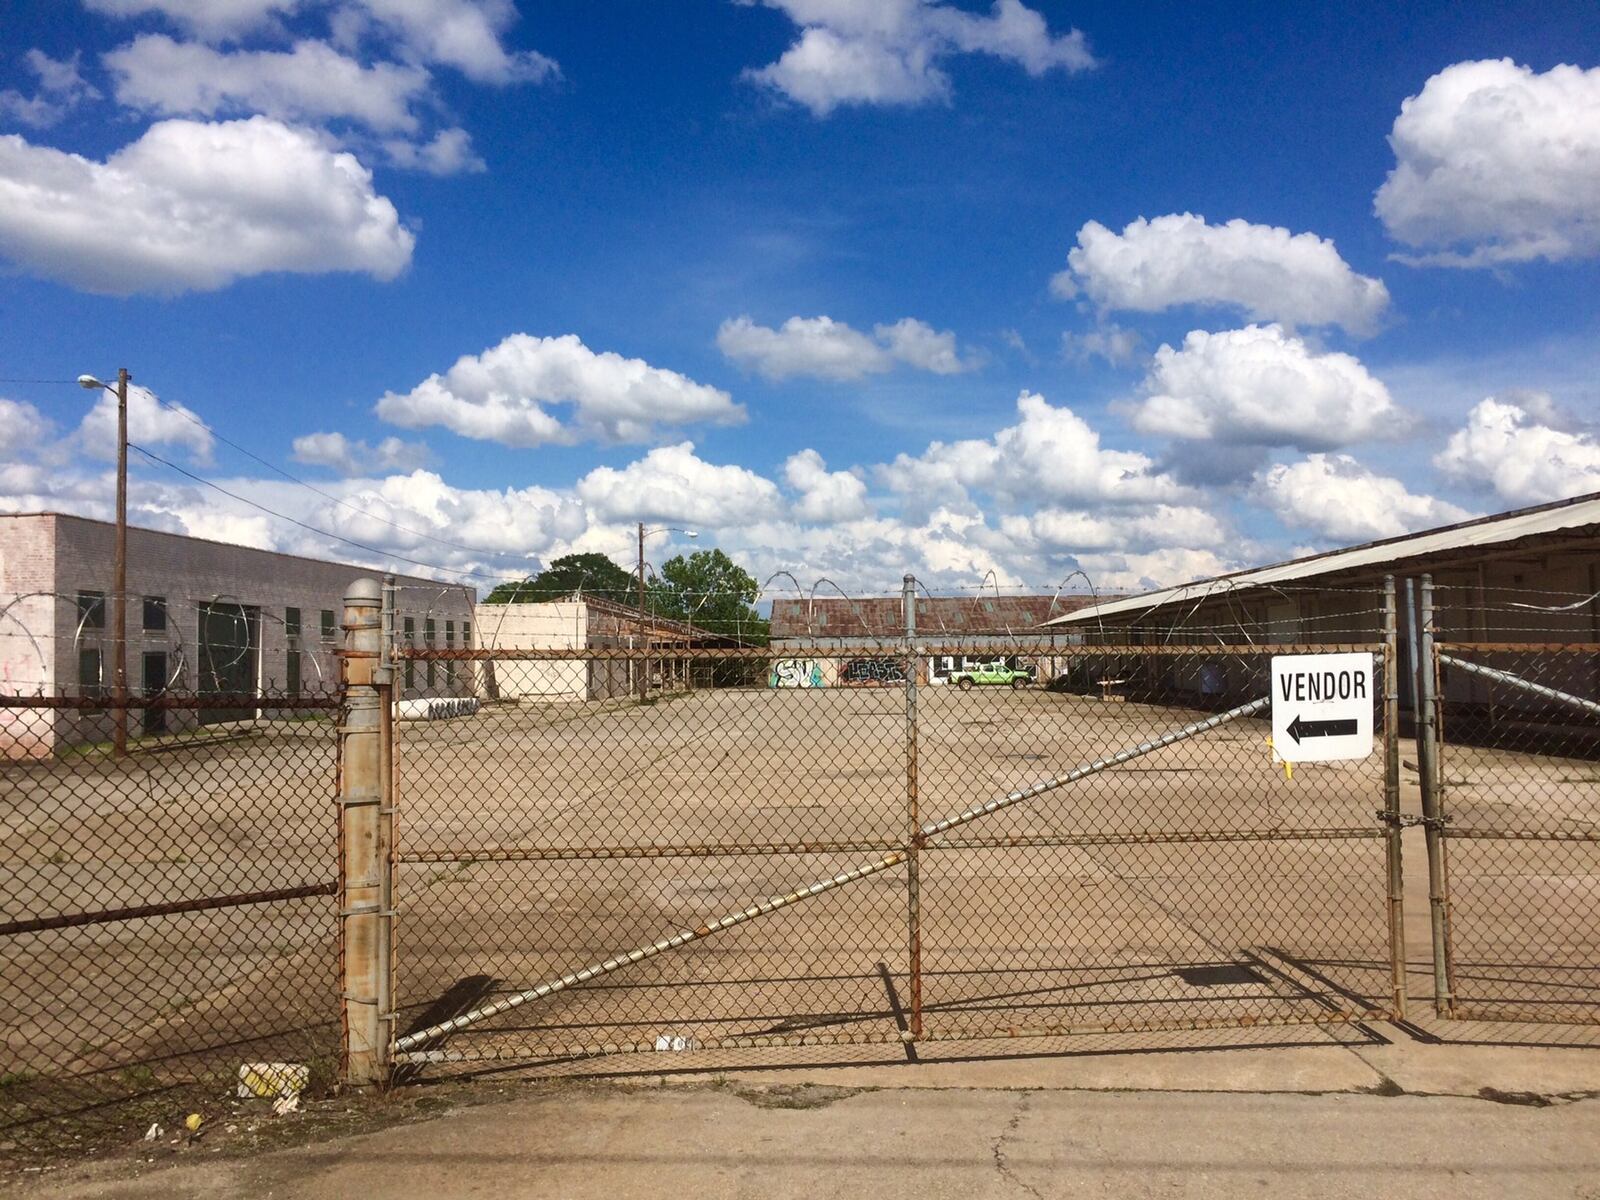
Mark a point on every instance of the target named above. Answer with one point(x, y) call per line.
point(644, 636)
point(119, 568)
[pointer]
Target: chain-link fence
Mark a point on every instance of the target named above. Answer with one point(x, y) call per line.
point(652, 839)
point(1518, 780)
point(825, 843)
point(168, 913)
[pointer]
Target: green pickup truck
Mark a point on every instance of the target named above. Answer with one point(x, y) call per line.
point(995, 674)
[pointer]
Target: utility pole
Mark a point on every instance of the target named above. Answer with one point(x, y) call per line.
point(644, 635)
point(119, 585)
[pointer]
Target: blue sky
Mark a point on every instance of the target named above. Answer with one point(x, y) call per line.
point(796, 273)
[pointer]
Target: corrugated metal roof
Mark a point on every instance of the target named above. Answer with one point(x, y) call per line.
point(1512, 526)
point(881, 617)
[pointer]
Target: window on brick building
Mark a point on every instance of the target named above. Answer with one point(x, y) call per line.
point(91, 610)
point(155, 614)
point(330, 629)
point(291, 622)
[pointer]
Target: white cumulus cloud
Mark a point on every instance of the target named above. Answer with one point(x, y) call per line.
point(1495, 163)
point(823, 348)
point(467, 35)
point(1084, 530)
point(1260, 386)
point(464, 34)
point(448, 152)
point(1263, 270)
point(350, 456)
point(672, 483)
point(311, 82)
point(1050, 454)
point(887, 52)
point(1341, 499)
point(150, 422)
point(192, 206)
point(825, 496)
point(1145, 571)
point(61, 89)
point(1506, 446)
point(214, 20)
point(22, 426)
point(1118, 346)
point(503, 395)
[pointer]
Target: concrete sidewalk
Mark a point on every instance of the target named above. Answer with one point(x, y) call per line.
point(1339, 1114)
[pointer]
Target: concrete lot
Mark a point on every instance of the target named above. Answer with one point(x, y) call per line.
point(1389, 1118)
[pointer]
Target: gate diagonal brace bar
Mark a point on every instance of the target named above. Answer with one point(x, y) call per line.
point(1516, 681)
point(684, 937)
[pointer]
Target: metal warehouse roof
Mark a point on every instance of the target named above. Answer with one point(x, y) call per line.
point(882, 617)
point(1481, 533)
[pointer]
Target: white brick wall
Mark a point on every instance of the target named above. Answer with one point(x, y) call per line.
point(66, 555)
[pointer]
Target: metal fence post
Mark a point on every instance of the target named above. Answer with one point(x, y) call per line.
point(1391, 801)
point(1432, 806)
point(384, 681)
point(913, 818)
point(363, 858)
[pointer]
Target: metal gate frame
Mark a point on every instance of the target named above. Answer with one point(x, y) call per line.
point(371, 991)
point(1542, 840)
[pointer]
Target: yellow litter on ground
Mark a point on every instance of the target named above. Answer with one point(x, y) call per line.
point(268, 1080)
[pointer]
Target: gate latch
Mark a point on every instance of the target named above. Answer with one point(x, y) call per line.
point(1404, 820)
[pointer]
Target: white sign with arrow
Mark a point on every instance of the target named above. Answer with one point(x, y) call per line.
point(1322, 706)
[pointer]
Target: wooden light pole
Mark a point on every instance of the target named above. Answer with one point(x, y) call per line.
point(119, 567)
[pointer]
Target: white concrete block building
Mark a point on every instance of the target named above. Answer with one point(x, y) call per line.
point(203, 617)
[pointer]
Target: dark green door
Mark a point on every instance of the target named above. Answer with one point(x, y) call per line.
point(152, 683)
point(228, 653)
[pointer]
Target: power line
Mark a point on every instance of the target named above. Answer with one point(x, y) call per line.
point(191, 417)
point(153, 457)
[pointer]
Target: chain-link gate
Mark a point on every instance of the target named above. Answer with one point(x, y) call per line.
point(696, 848)
point(1517, 778)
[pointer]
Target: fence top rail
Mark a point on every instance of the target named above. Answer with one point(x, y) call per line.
point(1518, 647)
point(245, 701)
point(887, 649)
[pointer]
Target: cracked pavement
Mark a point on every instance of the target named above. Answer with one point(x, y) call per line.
point(1386, 1114)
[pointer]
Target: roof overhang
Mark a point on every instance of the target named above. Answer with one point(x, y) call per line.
point(1479, 537)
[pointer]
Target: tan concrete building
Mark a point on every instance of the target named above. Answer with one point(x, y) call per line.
point(581, 622)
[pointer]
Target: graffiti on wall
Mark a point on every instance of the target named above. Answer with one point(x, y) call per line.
point(795, 673)
point(872, 672)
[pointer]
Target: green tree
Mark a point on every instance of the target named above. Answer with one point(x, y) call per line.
point(712, 591)
point(592, 574)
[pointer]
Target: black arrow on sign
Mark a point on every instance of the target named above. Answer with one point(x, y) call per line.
point(1299, 729)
